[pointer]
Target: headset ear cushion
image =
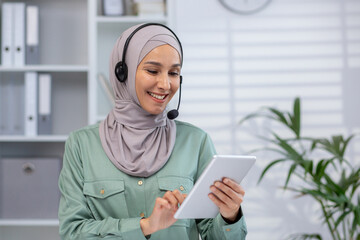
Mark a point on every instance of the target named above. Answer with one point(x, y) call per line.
point(121, 71)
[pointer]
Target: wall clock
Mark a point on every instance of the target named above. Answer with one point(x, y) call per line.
point(245, 6)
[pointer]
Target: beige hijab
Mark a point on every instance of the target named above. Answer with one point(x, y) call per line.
point(137, 142)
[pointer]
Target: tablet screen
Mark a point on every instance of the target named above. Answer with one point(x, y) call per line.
point(197, 204)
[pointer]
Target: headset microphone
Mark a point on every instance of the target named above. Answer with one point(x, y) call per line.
point(172, 114)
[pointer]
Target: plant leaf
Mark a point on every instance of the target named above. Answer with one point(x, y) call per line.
point(303, 236)
point(292, 153)
point(291, 171)
point(254, 115)
point(341, 218)
point(320, 168)
point(335, 187)
point(296, 118)
point(280, 116)
point(269, 166)
point(345, 144)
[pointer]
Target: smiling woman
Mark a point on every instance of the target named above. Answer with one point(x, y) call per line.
point(125, 177)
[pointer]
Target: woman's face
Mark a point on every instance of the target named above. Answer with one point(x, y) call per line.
point(158, 78)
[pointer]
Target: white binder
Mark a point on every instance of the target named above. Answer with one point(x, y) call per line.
point(19, 34)
point(32, 34)
point(7, 35)
point(44, 117)
point(16, 104)
point(5, 92)
point(31, 104)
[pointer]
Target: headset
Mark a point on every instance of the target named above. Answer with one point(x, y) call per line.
point(121, 69)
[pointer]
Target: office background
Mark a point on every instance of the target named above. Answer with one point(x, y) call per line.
point(233, 65)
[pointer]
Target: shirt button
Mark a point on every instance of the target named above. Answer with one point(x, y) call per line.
point(102, 191)
point(182, 188)
point(142, 214)
point(228, 229)
point(140, 182)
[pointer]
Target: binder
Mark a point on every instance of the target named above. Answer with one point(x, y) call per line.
point(19, 34)
point(32, 34)
point(31, 104)
point(44, 117)
point(16, 103)
point(5, 92)
point(7, 27)
point(12, 103)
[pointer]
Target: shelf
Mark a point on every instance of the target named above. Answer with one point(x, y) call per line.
point(44, 138)
point(29, 222)
point(130, 19)
point(46, 68)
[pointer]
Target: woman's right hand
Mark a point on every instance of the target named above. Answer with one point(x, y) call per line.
point(163, 213)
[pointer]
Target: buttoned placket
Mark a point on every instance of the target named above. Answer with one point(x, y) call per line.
point(141, 187)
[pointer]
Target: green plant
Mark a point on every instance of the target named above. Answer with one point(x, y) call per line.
point(331, 180)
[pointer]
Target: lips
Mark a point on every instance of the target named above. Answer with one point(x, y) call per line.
point(158, 97)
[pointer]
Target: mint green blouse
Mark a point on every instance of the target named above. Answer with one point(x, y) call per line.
point(98, 201)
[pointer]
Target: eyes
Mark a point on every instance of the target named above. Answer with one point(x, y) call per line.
point(173, 73)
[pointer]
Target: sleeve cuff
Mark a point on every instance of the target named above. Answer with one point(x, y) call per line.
point(237, 228)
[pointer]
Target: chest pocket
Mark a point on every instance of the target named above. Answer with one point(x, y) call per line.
point(106, 198)
point(183, 184)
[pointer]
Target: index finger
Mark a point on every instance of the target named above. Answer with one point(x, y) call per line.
point(180, 197)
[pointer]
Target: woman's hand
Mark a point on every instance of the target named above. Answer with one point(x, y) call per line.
point(163, 212)
point(228, 196)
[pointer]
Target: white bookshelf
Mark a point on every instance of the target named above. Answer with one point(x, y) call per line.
point(46, 68)
point(63, 48)
point(75, 45)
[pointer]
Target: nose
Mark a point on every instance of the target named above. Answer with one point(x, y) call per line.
point(164, 82)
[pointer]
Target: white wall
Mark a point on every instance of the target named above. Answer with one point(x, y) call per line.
point(235, 64)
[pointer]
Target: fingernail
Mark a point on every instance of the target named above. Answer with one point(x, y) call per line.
point(217, 184)
point(226, 180)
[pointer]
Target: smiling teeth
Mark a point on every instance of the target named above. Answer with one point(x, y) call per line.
point(157, 96)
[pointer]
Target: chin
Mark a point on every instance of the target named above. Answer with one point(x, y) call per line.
point(155, 111)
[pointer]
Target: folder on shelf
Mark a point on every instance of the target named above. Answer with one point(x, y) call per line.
point(12, 103)
point(19, 34)
point(31, 104)
point(7, 27)
point(32, 34)
point(17, 104)
point(44, 117)
point(5, 93)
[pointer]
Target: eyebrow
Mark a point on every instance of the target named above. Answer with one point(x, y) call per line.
point(160, 65)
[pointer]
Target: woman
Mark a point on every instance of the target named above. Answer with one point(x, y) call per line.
point(125, 177)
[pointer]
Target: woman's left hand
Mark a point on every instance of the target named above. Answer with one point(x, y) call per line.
point(228, 196)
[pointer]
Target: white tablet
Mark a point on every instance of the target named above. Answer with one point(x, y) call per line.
point(197, 204)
